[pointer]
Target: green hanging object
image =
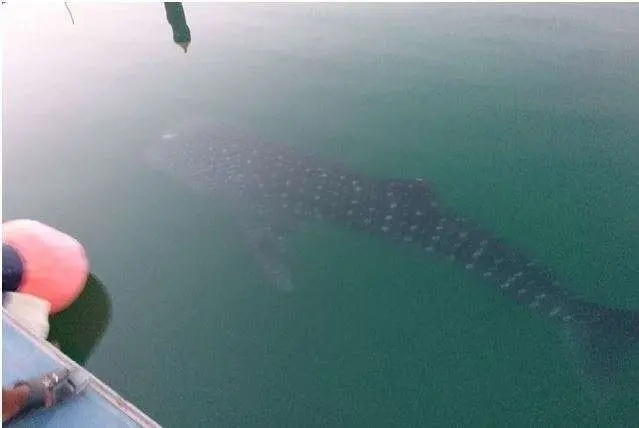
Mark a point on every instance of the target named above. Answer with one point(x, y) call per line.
point(78, 329)
point(177, 20)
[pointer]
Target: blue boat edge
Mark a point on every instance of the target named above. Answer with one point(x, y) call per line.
point(25, 356)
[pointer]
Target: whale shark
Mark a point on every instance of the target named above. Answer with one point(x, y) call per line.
point(272, 186)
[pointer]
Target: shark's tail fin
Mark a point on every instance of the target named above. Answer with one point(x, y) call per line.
point(605, 340)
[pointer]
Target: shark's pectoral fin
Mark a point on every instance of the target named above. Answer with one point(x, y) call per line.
point(603, 346)
point(269, 251)
point(266, 237)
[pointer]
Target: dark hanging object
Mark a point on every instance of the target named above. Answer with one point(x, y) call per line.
point(177, 20)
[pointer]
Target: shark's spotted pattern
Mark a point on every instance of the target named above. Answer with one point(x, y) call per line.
point(273, 182)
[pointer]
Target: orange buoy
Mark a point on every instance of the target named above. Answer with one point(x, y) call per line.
point(43, 262)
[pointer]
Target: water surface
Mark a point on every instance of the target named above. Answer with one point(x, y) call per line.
point(523, 117)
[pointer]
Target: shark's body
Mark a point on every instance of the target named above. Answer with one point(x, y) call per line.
point(274, 185)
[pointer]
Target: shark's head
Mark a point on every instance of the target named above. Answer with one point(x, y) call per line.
point(196, 151)
point(162, 153)
point(170, 151)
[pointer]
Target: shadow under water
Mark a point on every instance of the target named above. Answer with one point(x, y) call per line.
point(79, 328)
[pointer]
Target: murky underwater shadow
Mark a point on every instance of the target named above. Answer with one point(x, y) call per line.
point(79, 328)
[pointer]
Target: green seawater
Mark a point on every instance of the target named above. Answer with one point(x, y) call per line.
point(522, 117)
